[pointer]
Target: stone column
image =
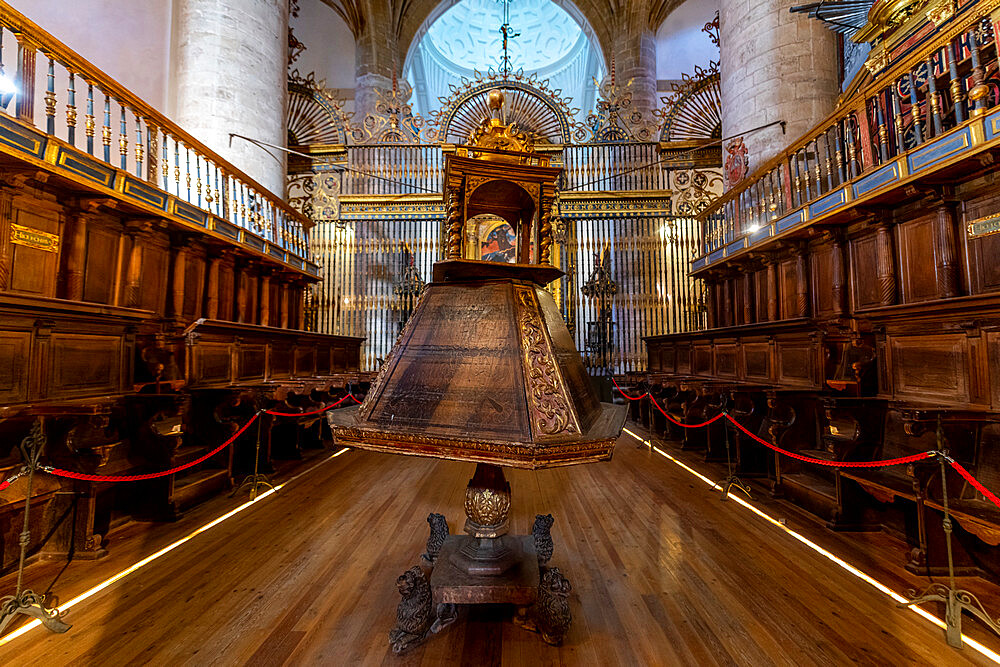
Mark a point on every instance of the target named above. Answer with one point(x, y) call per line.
point(376, 60)
point(230, 61)
point(635, 58)
point(775, 66)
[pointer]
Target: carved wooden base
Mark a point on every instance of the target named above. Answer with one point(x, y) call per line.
point(487, 566)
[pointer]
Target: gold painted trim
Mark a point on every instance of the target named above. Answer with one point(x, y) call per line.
point(33, 238)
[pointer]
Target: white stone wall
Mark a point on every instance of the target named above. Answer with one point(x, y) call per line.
point(229, 67)
point(775, 66)
point(681, 43)
point(329, 44)
point(128, 40)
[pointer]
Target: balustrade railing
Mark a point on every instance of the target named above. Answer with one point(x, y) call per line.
point(104, 119)
point(389, 169)
point(924, 95)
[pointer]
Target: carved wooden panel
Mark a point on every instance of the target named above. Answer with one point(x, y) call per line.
point(683, 363)
point(863, 272)
point(787, 278)
point(701, 360)
point(194, 287)
point(760, 294)
point(281, 361)
point(984, 269)
point(917, 264)
point(725, 359)
point(34, 270)
point(821, 278)
point(213, 362)
point(667, 358)
point(305, 360)
point(14, 349)
point(796, 362)
point(930, 368)
point(155, 262)
point(323, 358)
point(757, 361)
point(102, 266)
point(253, 361)
point(339, 359)
point(83, 364)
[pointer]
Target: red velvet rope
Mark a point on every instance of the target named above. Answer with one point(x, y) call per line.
point(190, 464)
point(622, 392)
point(794, 455)
point(974, 482)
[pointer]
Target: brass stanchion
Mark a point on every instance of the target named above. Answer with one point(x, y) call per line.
point(731, 480)
point(26, 601)
point(956, 600)
point(257, 478)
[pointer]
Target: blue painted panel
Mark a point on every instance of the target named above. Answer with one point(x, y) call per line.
point(940, 150)
point(227, 229)
point(21, 138)
point(294, 261)
point(873, 181)
point(275, 251)
point(760, 234)
point(736, 246)
point(698, 263)
point(87, 167)
point(717, 255)
point(136, 189)
point(790, 220)
point(253, 241)
point(991, 126)
point(312, 268)
point(194, 214)
point(828, 203)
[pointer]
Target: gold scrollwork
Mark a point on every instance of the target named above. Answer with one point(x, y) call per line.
point(550, 411)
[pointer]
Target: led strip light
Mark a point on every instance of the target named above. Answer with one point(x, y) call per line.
point(896, 597)
point(165, 550)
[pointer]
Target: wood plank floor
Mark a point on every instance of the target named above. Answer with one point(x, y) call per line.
point(662, 572)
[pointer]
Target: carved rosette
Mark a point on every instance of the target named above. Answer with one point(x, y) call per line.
point(550, 411)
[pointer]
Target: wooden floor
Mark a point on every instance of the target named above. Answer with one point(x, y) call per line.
point(662, 572)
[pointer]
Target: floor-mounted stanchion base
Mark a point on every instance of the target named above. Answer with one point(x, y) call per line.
point(955, 601)
point(729, 483)
point(253, 481)
point(32, 605)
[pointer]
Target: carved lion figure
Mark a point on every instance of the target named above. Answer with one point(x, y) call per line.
point(413, 615)
point(543, 539)
point(552, 615)
point(439, 532)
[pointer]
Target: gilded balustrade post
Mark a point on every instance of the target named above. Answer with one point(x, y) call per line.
point(947, 256)
point(455, 223)
point(27, 51)
point(545, 227)
point(885, 264)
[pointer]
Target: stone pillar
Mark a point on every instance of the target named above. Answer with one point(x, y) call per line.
point(775, 66)
point(230, 71)
point(376, 60)
point(635, 58)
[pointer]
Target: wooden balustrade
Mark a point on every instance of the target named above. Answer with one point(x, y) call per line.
point(123, 131)
point(874, 137)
